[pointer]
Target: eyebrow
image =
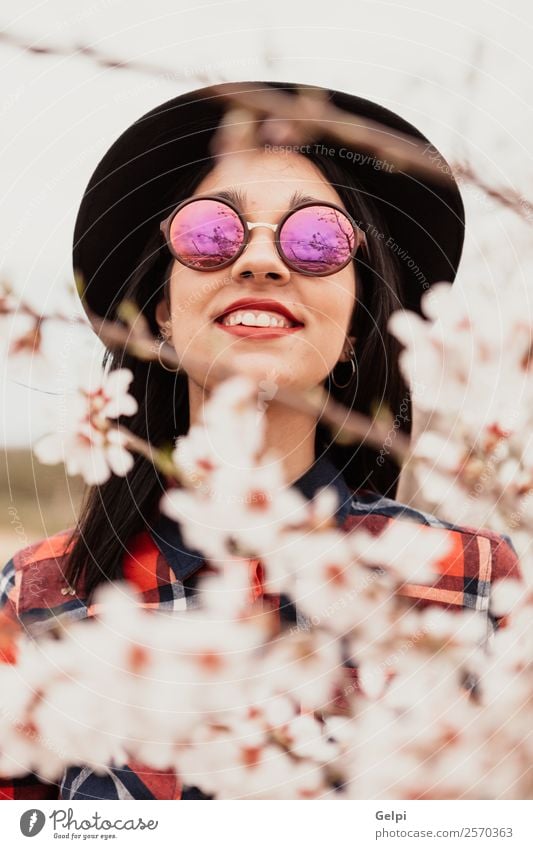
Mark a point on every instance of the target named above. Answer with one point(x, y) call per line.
point(239, 198)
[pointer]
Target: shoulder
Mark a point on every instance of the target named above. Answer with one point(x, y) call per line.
point(478, 557)
point(35, 575)
point(377, 509)
point(49, 550)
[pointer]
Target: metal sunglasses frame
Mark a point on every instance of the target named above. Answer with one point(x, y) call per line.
point(248, 226)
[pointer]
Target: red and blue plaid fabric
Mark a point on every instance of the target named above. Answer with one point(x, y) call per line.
point(166, 572)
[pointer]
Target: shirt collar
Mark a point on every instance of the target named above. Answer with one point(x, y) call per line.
point(185, 561)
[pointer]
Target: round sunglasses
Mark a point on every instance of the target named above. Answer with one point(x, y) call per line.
point(315, 239)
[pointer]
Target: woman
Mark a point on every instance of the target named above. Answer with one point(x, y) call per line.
point(244, 292)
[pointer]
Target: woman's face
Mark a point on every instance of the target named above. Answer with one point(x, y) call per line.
point(323, 305)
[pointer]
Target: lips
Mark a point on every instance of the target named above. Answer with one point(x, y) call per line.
point(258, 333)
point(266, 305)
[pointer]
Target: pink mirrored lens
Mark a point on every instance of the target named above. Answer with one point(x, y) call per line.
point(206, 233)
point(317, 239)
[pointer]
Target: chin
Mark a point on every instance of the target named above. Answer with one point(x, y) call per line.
point(272, 373)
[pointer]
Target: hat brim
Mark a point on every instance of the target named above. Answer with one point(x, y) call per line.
point(125, 198)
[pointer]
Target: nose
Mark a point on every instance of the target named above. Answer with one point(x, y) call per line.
point(260, 259)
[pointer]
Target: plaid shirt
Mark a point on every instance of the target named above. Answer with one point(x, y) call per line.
point(165, 572)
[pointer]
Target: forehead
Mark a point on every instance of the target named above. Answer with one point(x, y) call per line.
point(268, 179)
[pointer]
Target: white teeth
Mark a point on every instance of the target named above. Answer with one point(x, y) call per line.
point(256, 319)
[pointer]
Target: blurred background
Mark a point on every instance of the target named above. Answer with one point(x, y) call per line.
point(76, 74)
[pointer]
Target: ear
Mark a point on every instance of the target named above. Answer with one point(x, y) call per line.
point(347, 349)
point(162, 317)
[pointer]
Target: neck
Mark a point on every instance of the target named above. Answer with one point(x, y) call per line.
point(290, 433)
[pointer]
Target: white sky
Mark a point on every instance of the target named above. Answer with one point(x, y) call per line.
point(461, 71)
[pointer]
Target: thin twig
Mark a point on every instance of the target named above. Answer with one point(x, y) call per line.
point(347, 426)
point(318, 117)
point(350, 426)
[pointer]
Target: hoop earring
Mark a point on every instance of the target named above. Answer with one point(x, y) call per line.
point(344, 385)
point(163, 366)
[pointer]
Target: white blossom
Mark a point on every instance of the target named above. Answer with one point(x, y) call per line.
point(365, 696)
point(90, 445)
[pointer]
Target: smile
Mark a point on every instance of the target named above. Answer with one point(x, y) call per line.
point(262, 323)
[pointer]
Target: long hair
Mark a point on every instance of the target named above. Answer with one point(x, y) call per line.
point(113, 512)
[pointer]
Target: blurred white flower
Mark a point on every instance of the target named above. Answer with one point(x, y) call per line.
point(90, 444)
point(227, 435)
point(505, 596)
point(473, 362)
point(363, 690)
point(410, 551)
point(248, 508)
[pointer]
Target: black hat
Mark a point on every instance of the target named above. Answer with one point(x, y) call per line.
point(128, 192)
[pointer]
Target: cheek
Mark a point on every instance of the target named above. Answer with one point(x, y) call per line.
point(337, 302)
point(349, 287)
point(188, 303)
point(348, 297)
